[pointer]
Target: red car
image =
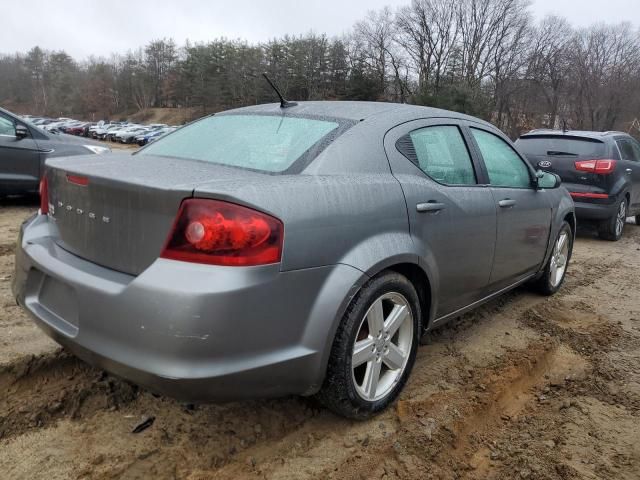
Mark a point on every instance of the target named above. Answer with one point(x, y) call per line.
point(76, 129)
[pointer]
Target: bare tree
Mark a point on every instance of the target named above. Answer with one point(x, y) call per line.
point(428, 32)
point(375, 35)
point(605, 68)
point(482, 57)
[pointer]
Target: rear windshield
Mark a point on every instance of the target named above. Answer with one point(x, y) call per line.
point(265, 143)
point(561, 146)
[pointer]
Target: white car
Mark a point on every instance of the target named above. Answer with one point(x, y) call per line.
point(120, 128)
point(95, 127)
point(101, 132)
point(123, 136)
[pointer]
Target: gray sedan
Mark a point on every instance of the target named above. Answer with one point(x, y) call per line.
point(268, 251)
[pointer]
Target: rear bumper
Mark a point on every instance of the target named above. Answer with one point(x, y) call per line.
point(594, 211)
point(193, 332)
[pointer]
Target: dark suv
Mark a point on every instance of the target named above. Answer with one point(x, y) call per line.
point(601, 170)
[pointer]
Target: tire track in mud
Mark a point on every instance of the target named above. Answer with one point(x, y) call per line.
point(502, 389)
point(43, 391)
point(463, 415)
point(460, 443)
point(7, 249)
point(585, 336)
point(459, 440)
point(455, 429)
point(195, 443)
point(37, 391)
point(450, 430)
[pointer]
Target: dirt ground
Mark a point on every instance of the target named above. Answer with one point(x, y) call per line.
point(526, 387)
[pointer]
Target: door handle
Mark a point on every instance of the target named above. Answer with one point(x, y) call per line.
point(430, 207)
point(506, 203)
point(629, 171)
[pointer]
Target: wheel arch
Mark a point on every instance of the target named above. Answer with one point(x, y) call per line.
point(420, 281)
point(408, 265)
point(563, 211)
point(570, 218)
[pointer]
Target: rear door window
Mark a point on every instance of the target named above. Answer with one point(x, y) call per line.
point(441, 153)
point(627, 150)
point(268, 143)
point(636, 148)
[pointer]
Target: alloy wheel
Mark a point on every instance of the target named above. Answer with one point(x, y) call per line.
point(382, 346)
point(621, 218)
point(559, 259)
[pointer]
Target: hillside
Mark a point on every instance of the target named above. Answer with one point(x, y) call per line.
point(170, 116)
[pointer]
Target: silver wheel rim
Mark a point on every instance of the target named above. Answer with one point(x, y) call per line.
point(621, 218)
point(382, 346)
point(559, 259)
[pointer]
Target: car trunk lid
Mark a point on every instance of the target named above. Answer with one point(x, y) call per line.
point(116, 210)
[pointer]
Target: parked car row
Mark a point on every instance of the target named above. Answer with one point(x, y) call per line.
point(129, 132)
point(122, 132)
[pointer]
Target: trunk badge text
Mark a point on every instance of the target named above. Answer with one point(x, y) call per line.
point(79, 211)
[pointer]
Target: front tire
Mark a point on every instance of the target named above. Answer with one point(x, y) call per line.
point(374, 349)
point(612, 228)
point(556, 268)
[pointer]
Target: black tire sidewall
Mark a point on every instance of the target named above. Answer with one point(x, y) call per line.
point(608, 227)
point(339, 371)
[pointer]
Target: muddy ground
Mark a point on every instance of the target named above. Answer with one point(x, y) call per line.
point(526, 387)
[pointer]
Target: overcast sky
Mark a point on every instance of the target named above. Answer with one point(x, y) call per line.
point(100, 28)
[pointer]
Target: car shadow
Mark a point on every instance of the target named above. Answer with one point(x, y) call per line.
point(32, 200)
point(589, 230)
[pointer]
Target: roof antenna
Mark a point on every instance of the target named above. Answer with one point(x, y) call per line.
point(283, 103)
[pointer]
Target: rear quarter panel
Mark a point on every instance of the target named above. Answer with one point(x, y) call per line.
point(356, 219)
point(359, 220)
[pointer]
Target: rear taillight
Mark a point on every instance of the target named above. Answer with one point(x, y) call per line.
point(44, 196)
point(222, 233)
point(602, 167)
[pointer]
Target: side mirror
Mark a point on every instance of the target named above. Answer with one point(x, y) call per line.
point(21, 132)
point(547, 179)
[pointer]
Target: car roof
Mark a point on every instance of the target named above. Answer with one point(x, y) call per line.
point(593, 135)
point(355, 111)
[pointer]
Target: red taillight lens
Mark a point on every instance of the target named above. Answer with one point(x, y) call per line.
point(588, 195)
point(78, 180)
point(44, 196)
point(222, 233)
point(596, 166)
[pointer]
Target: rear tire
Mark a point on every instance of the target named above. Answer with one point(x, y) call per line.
point(556, 268)
point(612, 228)
point(637, 219)
point(380, 332)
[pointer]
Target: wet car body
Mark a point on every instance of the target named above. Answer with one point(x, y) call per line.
point(93, 275)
